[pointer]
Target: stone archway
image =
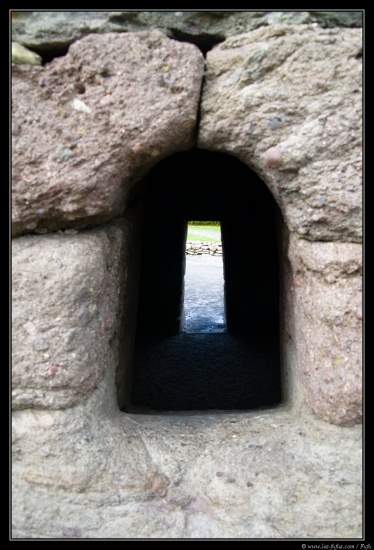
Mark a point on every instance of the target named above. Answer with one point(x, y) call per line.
point(195, 185)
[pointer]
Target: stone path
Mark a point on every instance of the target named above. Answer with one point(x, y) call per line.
point(204, 294)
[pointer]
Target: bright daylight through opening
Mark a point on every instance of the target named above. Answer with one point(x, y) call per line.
point(204, 308)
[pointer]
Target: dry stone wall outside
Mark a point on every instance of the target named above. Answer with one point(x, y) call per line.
point(286, 100)
point(197, 248)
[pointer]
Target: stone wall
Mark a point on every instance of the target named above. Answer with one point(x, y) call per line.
point(198, 248)
point(281, 92)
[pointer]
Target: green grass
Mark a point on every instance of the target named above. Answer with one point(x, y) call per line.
point(200, 236)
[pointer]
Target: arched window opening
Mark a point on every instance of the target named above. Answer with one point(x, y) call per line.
point(235, 369)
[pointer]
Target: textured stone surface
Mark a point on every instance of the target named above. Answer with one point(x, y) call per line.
point(89, 124)
point(326, 327)
point(56, 30)
point(287, 100)
point(274, 474)
point(68, 293)
point(22, 55)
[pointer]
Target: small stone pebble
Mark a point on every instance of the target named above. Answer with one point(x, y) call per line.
point(273, 158)
point(330, 279)
point(274, 123)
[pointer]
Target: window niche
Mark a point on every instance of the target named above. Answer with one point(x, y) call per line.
point(239, 369)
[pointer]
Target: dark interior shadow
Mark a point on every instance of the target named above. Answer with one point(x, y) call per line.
point(206, 372)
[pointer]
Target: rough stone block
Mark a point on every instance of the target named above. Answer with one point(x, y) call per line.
point(326, 308)
point(88, 125)
point(287, 101)
point(67, 302)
